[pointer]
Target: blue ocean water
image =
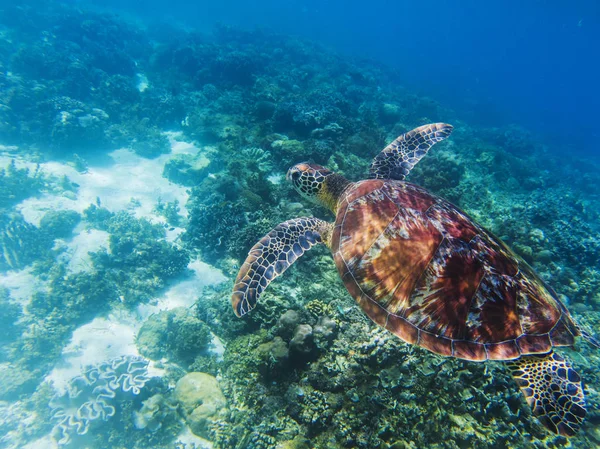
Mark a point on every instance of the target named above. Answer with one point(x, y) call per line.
point(532, 63)
point(151, 188)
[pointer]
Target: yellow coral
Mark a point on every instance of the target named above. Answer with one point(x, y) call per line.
point(318, 308)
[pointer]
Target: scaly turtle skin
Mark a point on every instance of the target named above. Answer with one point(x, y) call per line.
point(422, 269)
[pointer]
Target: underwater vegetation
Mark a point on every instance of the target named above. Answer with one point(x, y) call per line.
point(306, 369)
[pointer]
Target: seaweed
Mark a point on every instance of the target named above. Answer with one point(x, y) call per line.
point(140, 261)
point(22, 243)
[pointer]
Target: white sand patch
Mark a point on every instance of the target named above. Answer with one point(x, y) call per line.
point(46, 442)
point(142, 82)
point(188, 440)
point(8, 149)
point(217, 347)
point(129, 182)
point(173, 234)
point(185, 292)
point(178, 146)
point(22, 284)
point(76, 251)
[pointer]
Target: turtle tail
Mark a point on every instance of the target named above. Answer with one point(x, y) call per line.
point(588, 336)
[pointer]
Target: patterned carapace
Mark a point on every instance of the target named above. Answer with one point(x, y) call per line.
point(422, 269)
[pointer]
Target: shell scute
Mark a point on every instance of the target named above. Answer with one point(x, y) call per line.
point(453, 222)
point(440, 302)
point(435, 343)
point(563, 333)
point(402, 328)
point(469, 350)
point(534, 344)
point(373, 310)
point(404, 197)
point(538, 308)
point(372, 213)
point(493, 312)
point(506, 350)
point(499, 258)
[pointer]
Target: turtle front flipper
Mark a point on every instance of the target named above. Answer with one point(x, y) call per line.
point(397, 159)
point(553, 390)
point(272, 255)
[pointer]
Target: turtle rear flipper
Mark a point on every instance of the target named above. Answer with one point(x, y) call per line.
point(272, 255)
point(397, 159)
point(553, 390)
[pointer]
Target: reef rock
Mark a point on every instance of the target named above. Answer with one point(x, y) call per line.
point(287, 323)
point(302, 341)
point(201, 400)
point(324, 331)
point(155, 410)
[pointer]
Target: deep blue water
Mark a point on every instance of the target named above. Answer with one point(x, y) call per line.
point(533, 63)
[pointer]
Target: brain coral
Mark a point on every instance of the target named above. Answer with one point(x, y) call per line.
point(93, 395)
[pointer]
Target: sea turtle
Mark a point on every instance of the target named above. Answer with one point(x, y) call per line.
point(422, 269)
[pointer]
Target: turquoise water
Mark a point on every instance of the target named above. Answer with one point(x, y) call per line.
point(144, 151)
point(498, 63)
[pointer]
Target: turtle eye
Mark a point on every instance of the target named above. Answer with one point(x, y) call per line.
point(295, 176)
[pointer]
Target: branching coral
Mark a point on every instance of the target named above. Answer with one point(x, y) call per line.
point(95, 394)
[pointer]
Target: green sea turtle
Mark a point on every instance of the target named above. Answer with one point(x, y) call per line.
point(422, 269)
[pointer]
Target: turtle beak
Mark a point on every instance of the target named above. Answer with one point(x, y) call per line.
point(288, 175)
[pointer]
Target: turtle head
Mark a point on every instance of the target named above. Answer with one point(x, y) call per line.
point(308, 179)
point(317, 183)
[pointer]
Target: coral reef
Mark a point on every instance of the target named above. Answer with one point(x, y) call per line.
point(22, 243)
point(306, 368)
point(59, 224)
point(9, 328)
point(187, 170)
point(139, 261)
point(95, 394)
point(174, 334)
point(302, 340)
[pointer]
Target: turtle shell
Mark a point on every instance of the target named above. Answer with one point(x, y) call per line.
point(421, 268)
